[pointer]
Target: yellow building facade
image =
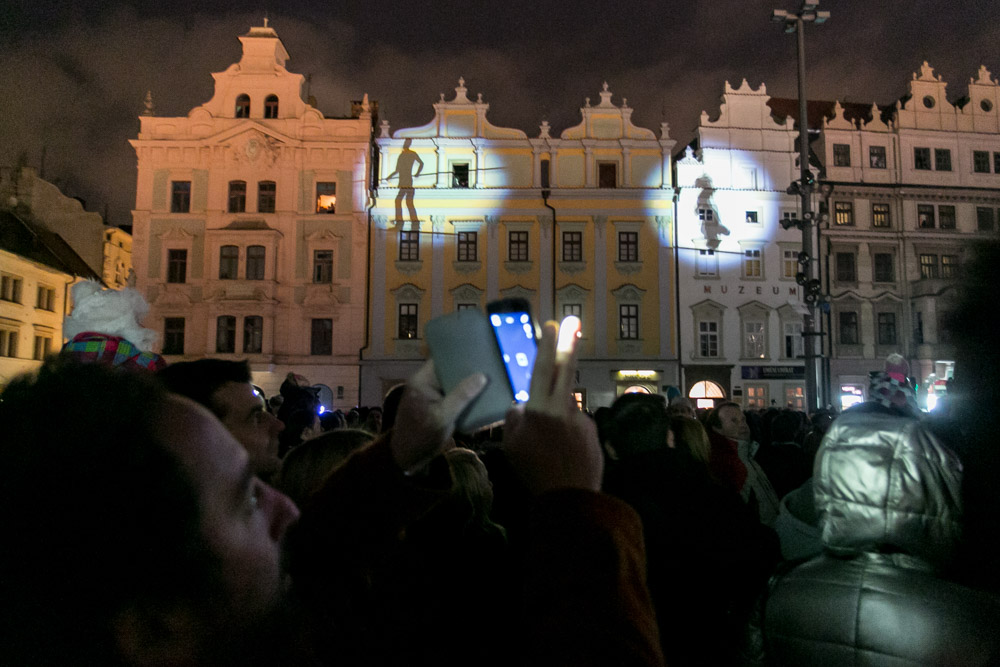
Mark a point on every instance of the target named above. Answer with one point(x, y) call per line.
point(468, 212)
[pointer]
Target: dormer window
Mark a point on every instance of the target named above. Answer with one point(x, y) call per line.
point(242, 107)
point(271, 106)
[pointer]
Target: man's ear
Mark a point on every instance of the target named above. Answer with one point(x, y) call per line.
point(147, 635)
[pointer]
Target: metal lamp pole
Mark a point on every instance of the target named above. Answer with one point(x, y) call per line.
point(795, 22)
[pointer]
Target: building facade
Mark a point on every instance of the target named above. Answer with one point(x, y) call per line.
point(468, 212)
point(250, 226)
point(912, 186)
point(740, 309)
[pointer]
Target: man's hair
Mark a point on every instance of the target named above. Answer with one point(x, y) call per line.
point(199, 380)
point(100, 517)
point(785, 426)
point(714, 420)
point(638, 423)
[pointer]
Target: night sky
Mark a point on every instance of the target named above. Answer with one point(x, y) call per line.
point(75, 73)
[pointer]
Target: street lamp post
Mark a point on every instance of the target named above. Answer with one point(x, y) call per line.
point(795, 22)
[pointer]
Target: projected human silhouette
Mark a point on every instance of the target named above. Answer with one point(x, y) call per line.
point(708, 213)
point(404, 169)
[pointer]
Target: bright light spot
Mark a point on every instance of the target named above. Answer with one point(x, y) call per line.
point(321, 409)
point(509, 319)
point(705, 404)
point(932, 400)
point(495, 320)
point(522, 359)
point(524, 318)
point(521, 396)
point(506, 358)
point(528, 331)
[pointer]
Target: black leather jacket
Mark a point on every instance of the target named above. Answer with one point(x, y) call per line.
point(888, 498)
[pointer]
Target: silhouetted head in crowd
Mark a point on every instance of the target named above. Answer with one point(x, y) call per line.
point(307, 466)
point(728, 419)
point(785, 426)
point(224, 388)
point(680, 406)
point(142, 535)
point(472, 490)
point(299, 411)
point(390, 406)
point(637, 423)
point(690, 437)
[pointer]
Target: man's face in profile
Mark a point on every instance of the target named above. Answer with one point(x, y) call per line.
point(251, 424)
point(734, 423)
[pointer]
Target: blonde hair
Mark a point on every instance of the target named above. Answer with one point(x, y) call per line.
point(690, 435)
point(306, 467)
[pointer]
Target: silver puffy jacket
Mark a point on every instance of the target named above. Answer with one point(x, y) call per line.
point(889, 505)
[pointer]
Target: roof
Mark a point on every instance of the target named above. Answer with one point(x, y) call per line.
point(817, 110)
point(34, 242)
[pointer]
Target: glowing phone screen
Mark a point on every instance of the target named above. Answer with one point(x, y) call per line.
point(516, 335)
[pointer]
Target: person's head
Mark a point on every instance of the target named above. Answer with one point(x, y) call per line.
point(680, 406)
point(728, 419)
point(785, 426)
point(224, 387)
point(307, 466)
point(472, 489)
point(638, 423)
point(139, 533)
point(690, 436)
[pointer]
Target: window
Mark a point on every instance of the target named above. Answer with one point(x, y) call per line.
point(8, 343)
point(607, 174)
point(467, 250)
point(180, 196)
point(881, 216)
point(225, 334)
point(43, 344)
point(985, 221)
point(407, 320)
point(752, 217)
point(628, 246)
point(946, 216)
point(242, 106)
point(753, 340)
point(237, 196)
point(841, 155)
point(517, 246)
point(756, 396)
point(265, 196)
point(271, 106)
point(46, 298)
point(708, 339)
point(996, 163)
point(925, 216)
point(942, 159)
point(326, 197)
point(789, 264)
point(884, 270)
point(708, 263)
point(321, 339)
point(466, 306)
point(229, 261)
point(751, 263)
point(981, 162)
point(173, 335)
point(887, 328)
point(255, 262)
point(575, 309)
point(10, 288)
point(253, 334)
point(876, 157)
point(928, 266)
point(705, 214)
point(545, 174)
point(843, 213)
point(177, 265)
point(409, 246)
point(794, 345)
point(572, 246)
point(795, 397)
point(921, 158)
point(628, 321)
point(949, 266)
point(460, 175)
point(849, 328)
point(847, 271)
point(322, 266)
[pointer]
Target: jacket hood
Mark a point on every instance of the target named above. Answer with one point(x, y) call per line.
point(884, 483)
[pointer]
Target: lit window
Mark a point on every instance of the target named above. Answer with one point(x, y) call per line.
point(880, 216)
point(876, 157)
point(752, 218)
point(322, 266)
point(229, 261)
point(321, 338)
point(843, 213)
point(841, 155)
point(949, 266)
point(467, 246)
point(255, 262)
point(928, 266)
point(266, 191)
point(628, 246)
point(407, 320)
point(572, 247)
point(326, 197)
point(753, 340)
point(242, 107)
point(409, 246)
point(180, 197)
point(271, 106)
point(237, 196)
point(517, 246)
point(752, 263)
point(708, 263)
point(628, 321)
point(225, 334)
point(789, 264)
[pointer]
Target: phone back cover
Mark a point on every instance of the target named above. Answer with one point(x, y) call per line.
point(462, 343)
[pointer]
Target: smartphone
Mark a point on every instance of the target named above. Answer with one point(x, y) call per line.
point(467, 342)
point(517, 340)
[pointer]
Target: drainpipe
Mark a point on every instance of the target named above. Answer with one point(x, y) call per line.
point(677, 292)
point(372, 198)
point(545, 200)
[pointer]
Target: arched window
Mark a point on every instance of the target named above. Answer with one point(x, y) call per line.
point(271, 106)
point(705, 393)
point(242, 106)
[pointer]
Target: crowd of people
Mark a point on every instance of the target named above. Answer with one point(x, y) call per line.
point(173, 515)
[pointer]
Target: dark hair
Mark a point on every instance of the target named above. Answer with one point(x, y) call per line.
point(305, 467)
point(100, 516)
point(785, 426)
point(638, 423)
point(713, 420)
point(199, 380)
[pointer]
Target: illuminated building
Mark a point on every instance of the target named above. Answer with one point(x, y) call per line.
point(117, 268)
point(913, 185)
point(250, 226)
point(462, 218)
point(739, 306)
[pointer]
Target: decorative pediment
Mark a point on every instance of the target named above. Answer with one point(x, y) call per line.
point(321, 295)
point(173, 298)
point(518, 292)
point(887, 296)
point(322, 235)
point(754, 308)
point(239, 291)
point(792, 311)
point(607, 121)
point(256, 147)
point(407, 292)
point(176, 234)
point(875, 124)
point(459, 117)
point(983, 77)
point(571, 293)
point(708, 307)
point(628, 293)
point(467, 292)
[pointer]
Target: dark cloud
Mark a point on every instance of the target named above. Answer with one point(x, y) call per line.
point(75, 74)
